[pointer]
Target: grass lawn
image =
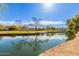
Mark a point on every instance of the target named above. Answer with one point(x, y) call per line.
point(30, 31)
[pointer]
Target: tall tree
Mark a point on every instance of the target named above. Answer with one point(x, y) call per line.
point(73, 26)
point(36, 22)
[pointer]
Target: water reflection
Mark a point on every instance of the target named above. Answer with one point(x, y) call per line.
point(1, 37)
point(4, 36)
point(34, 44)
point(29, 45)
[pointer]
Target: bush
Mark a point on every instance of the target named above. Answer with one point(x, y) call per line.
point(13, 28)
point(70, 34)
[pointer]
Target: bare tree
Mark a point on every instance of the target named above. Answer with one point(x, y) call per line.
point(19, 23)
point(36, 22)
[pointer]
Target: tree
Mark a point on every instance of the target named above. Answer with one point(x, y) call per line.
point(2, 27)
point(73, 25)
point(36, 22)
point(19, 24)
point(76, 18)
point(71, 29)
point(13, 27)
point(70, 34)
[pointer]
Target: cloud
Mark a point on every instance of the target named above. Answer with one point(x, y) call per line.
point(41, 22)
point(7, 22)
point(52, 22)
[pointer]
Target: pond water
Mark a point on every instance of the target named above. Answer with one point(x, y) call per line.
point(30, 45)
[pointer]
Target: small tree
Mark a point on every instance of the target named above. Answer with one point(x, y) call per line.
point(18, 23)
point(13, 27)
point(2, 27)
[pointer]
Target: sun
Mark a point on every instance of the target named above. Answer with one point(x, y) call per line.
point(48, 6)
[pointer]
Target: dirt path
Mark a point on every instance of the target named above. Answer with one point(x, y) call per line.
point(70, 48)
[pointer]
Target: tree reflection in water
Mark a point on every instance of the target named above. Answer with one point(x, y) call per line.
point(4, 36)
point(1, 37)
point(35, 44)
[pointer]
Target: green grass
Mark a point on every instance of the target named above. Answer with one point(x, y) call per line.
point(31, 31)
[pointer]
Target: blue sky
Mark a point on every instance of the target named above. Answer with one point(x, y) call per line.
point(25, 12)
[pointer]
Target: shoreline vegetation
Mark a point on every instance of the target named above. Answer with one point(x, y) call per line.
point(35, 28)
point(29, 32)
point(73, 27)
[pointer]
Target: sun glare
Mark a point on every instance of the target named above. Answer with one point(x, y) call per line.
point(47, 6)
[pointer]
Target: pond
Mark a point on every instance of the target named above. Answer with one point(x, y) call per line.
point(30, 45)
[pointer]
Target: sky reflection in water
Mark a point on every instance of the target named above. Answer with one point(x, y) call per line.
point(29, 45)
